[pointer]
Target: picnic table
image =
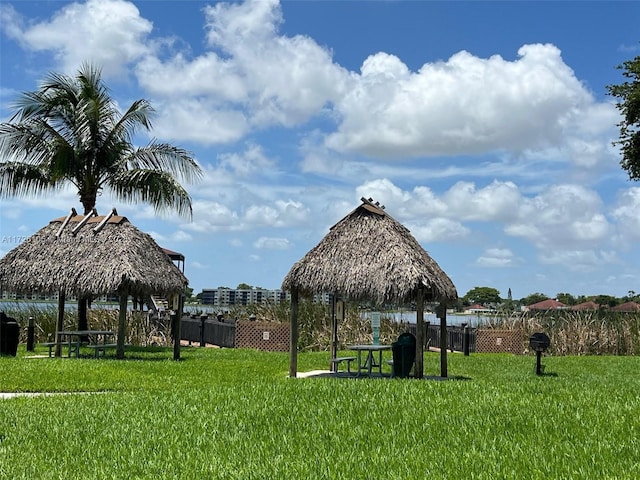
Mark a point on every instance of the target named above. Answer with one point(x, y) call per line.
point(74, 338)
point(370, 361)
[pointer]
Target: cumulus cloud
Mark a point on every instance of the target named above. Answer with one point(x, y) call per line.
point(438, 230)
point(463, 201)
point(177, 236)
point(272, 243)
point(468, 105)
point(109, 33)
point(251, 77)
point(211, 216)
point(249, 70)
point(562, 216)
point(497, 258)
point(625, 211)
point(252, 161)
point(578, 260)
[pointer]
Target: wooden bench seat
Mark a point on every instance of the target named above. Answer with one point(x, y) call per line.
point(337, 361)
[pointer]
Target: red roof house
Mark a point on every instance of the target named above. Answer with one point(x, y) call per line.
point(549, 304)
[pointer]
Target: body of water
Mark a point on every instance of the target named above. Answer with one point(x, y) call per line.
point(473, 320)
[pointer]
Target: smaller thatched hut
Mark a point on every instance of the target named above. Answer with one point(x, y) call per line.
point(370, 255)
point(91, 255)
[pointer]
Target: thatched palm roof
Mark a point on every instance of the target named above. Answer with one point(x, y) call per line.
point(370, 255)
point(90, 255)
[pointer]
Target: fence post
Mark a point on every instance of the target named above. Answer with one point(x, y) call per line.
point(30, 334)
point(202, 319)
point(466, 340)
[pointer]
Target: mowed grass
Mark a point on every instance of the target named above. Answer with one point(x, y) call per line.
point(234, 414)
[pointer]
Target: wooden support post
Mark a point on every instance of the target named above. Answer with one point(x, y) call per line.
point(442, 310)
point(419, 367)
point(334, 334)
point(31, 330)
point(59, 323)
point(122, 323)
point(176, 331)
point(293, 346)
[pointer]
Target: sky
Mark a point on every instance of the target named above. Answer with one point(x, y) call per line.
point(483, 127)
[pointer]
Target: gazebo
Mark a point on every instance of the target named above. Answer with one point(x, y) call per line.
point(368, 255)
point(90, 255)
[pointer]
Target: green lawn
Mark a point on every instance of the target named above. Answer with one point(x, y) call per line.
point(234, 414)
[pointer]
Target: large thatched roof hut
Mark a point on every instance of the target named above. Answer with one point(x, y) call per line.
point(370, 255)
point(90, 255)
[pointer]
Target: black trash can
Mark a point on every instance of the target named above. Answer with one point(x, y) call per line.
point(9, 335)
point(404, 354)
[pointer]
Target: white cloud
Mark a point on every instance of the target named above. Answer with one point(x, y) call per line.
point(578, 260)
point(251, 77)
point(466, 105)
point(198, 265)
point(272, 243)
point(177, 236)
point(110, 33)
point(438, 230)
point(252, 161)
point(497, 258)
point(199, 121)
point(563, 216)
point(625, 211)
point(213, 216)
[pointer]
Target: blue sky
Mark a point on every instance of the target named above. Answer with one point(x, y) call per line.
point(484, 127)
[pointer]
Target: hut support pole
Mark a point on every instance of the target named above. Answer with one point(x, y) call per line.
point(59, 323)
point(176, 332)
point(334, 330)
point(293, 346)
point(442, 310)
point(122, 323)
point(419, 367)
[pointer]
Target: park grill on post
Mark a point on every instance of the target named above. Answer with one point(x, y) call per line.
point(539, 342)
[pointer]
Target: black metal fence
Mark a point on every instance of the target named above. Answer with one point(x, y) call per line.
point(203, 330)
point(455, 337)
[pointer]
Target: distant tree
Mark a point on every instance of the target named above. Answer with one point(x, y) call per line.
point(482, 295)
point(188, 293)
point(534, 298)
point(199, 297)
point(606, 300)
point(244, 286)
point(566, 298)
point(628, 94)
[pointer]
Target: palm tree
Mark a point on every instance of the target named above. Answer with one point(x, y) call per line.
point(71, 131)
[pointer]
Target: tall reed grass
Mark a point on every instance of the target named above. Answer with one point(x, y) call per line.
point(142, 330)
point(578, 332)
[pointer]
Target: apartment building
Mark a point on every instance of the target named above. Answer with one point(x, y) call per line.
point(225, 297)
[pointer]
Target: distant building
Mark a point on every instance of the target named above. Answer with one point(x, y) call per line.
point(226, 297)
point(626, 307)
point(477, 308)
point(586, 306)
point(545, 305)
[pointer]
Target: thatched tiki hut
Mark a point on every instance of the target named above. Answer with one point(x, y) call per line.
point(89, 256)
point(368, 255)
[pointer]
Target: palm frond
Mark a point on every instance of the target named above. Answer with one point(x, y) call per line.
point(167, 158)
point(22, 180)
point(160, 189)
